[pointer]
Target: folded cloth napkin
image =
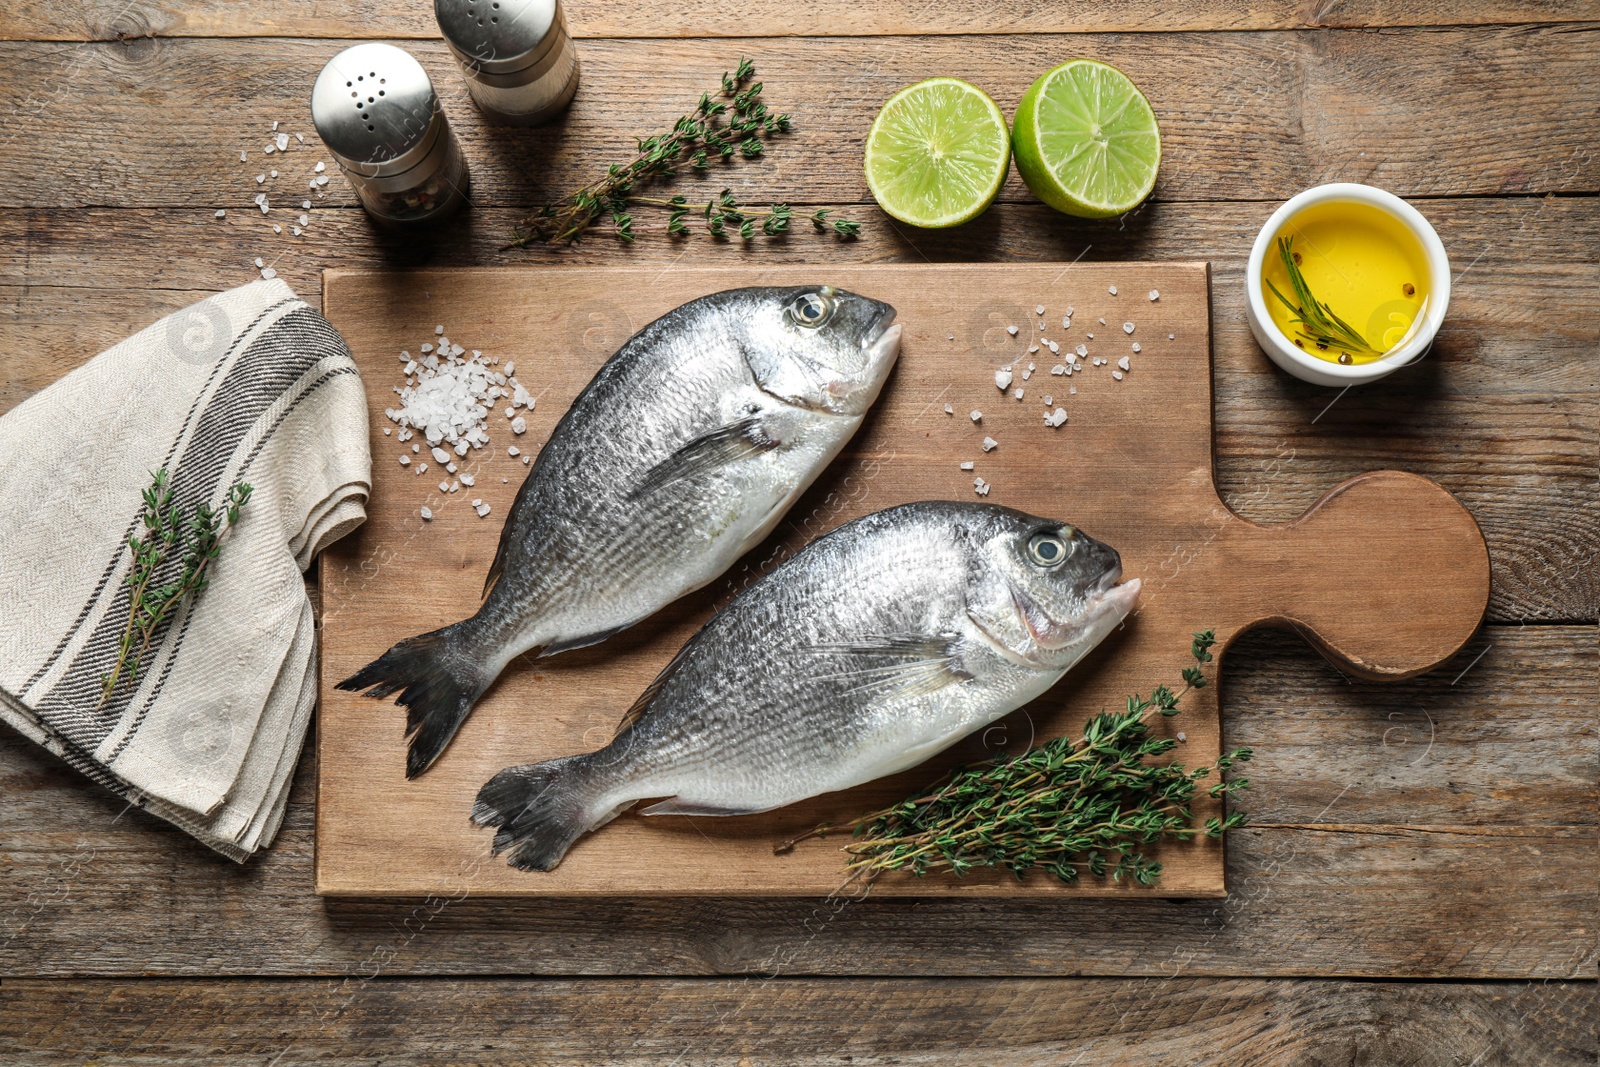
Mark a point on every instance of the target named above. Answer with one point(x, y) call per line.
point(248, 386)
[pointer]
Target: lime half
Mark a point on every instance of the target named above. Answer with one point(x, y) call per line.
point(937, 153)
point(1086, 140)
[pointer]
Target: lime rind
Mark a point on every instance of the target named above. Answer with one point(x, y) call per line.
point(937, 154)
point(1087, 140)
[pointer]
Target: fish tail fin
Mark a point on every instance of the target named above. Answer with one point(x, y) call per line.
point(439, 681)
point(540, 809)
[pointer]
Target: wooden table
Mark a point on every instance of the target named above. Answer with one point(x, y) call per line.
point(1420, 882)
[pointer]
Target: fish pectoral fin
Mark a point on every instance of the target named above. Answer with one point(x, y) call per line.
point(555, 648)
point(896, 665)
point(675, 806)
point(727, 444)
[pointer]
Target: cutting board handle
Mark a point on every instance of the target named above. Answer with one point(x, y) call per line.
point(1387, 575)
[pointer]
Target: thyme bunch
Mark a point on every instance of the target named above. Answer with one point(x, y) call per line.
point(732, 123)
point(167, 533)
point(1067, 806)
point(1318, 322)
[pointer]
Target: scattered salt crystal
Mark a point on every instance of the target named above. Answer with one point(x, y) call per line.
point(387, 430)
point(511, 366)
point(1113, 291)
point(269, 149)
point(306, 204)
point(405, 461)
point(1048, 400)
point(260, 178)
point(477, 501)
point(990, 444)
point(272, 174)
point(259, 262)
point(968, 465)
point(440, 455)
point(1172, 337)
point(444, 487)
point(983, 490)
point(1028, 373)
point(519, 424)
point(274, 125)
point(450, 467)
point(1038, 309)
point(1072, 390)
point(276, 228)
point(1182, 736)
point(1122, 364)
point(438, 331)
point(1101, 321)
point(949, 409)
point(421, 467)
point(300, 137)
point(1082, 350)
point(1012, 330)
point(320, 167)
point(1136, 346)
point(268, 273)
point(296, 230)
point(1032, 349)
point(1002, 379)
point(1017, 392)
point(468, 479)
point(1090, 336)
point(482, 510)
point(1066, 322)
point(427, 347)
point(462, 446)
point(1041, 326)
point(221, 214)
point(1155, 294)
point(1117, 375)
point(1058, 416)
point(243, 158)
point(282, 141)
point(321, 179)
point(1127, 327)
point(1058, 370)
point(427, 515)
point(1055, 349)
point(976, 415)
point(305, 219)
point(513, 450)
point(525, 459)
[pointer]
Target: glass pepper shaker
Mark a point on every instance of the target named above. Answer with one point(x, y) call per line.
point(375, 109)
point(520, 65)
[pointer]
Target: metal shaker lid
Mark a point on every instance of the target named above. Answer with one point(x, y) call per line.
point(375, 109)
point(499, 36)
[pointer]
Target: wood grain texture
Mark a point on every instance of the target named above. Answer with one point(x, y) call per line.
point(804, 1022)
point(1505, 413)
point(99, 20)
point(1418, 828)
point(1253, 116)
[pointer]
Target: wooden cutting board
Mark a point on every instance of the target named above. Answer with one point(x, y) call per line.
point(1387, 575)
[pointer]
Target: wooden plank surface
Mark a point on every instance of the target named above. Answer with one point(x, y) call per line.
point(1439, 827)
point(1180, 1021)
point(34, 20)
point(1245, 116)
point(1400, 783)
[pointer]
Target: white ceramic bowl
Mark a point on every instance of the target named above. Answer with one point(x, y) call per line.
point(1302, 364)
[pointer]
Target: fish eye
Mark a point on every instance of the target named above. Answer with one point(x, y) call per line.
point(811, 309)
point(1046, 549)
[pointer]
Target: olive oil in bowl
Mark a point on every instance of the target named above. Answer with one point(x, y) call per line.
point(1365, 268)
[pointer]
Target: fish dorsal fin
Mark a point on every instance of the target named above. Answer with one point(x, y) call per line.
point(726, 444)
point(901, 665)
point(651, 691)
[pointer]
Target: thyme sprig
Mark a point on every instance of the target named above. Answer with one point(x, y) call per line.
point(165, 533)
point(733, 123)
point(1067, 806)
point(1317, 321)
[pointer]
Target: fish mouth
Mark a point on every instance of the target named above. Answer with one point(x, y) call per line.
point(1105, 599)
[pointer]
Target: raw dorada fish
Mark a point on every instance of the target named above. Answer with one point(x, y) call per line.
point(682, 454)
point(870, 650)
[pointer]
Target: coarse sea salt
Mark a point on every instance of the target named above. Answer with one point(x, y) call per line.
point(975, 415)
point(968, 465)
point(990, 444)
point(448, 399)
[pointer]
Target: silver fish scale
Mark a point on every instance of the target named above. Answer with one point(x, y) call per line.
point(784, 695)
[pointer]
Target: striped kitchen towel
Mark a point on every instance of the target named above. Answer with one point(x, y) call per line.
point(252, 386)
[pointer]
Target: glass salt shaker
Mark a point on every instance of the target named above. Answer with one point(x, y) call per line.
point(520, 65)
point(375, 109)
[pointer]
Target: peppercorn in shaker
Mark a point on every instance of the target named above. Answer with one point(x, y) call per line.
point(375, 109)
point(520, 65)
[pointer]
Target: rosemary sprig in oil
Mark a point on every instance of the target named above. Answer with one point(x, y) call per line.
point(733, 123)
point(166, 533)
point(1317, 321)
point(1067, 806)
